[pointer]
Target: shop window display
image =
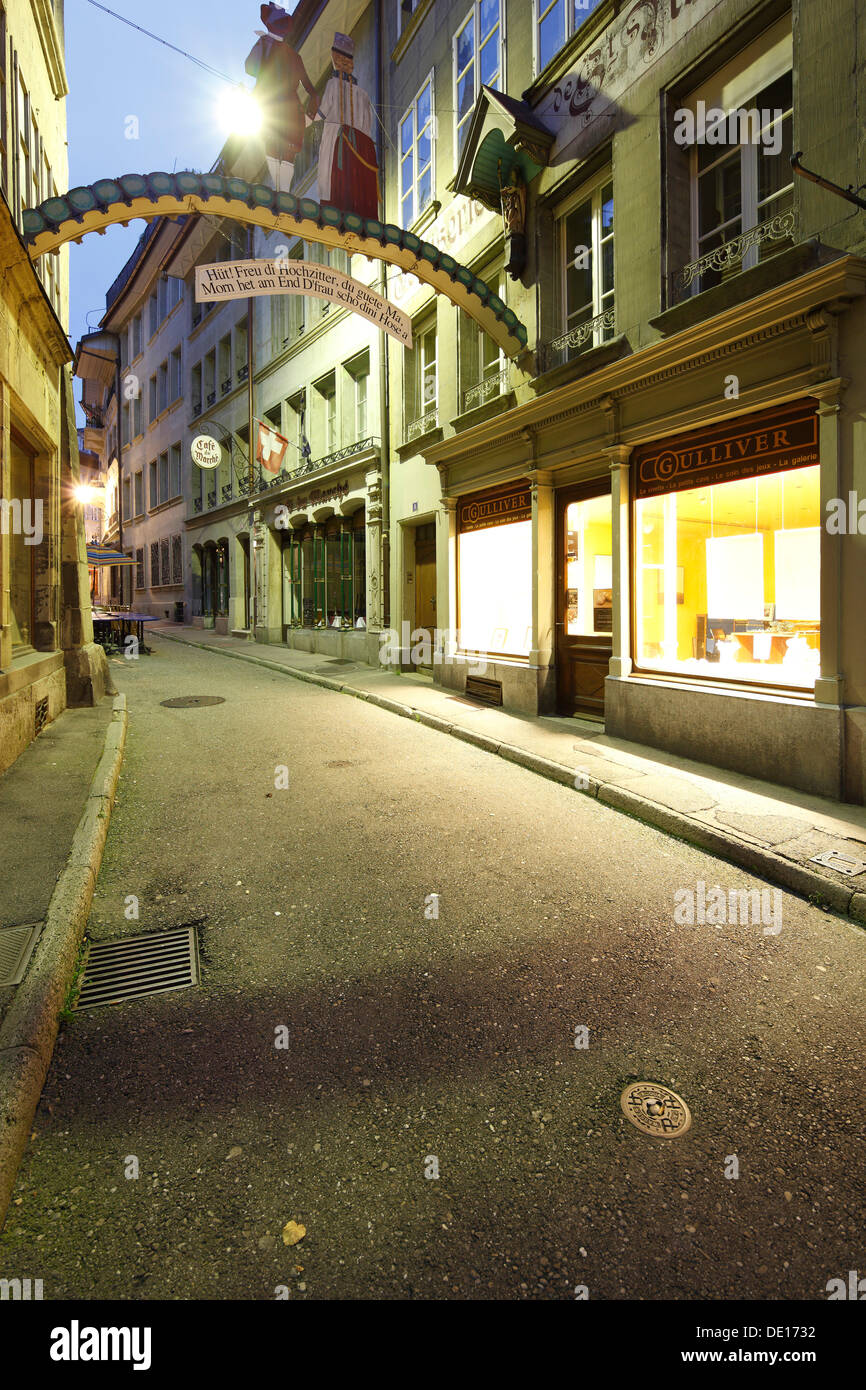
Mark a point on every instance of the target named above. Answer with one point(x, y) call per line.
point(727, 580)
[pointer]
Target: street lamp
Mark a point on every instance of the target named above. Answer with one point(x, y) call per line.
point(240, 113)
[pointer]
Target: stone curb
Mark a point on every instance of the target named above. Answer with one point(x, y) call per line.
point(29, 1030)
point(796, 878)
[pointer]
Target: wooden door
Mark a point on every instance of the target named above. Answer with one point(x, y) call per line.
point(425, 580)
point(584, 612)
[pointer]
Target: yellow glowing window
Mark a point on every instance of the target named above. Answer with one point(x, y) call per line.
point(495, 589)
point(727, 580)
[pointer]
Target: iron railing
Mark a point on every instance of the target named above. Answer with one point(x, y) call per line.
point(423, 425)
point(729, 257)
point(568, 345)
point(486, 390)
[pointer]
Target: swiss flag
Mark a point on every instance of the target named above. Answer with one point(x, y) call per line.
point(271, 448)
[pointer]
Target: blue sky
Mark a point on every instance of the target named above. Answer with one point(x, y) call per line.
point(115, 72)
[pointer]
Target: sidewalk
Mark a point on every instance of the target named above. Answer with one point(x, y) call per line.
point(55, 806)
point(771, 831)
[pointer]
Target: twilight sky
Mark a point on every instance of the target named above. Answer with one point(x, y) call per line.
point(115, 72)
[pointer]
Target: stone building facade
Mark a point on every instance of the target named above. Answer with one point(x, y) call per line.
point(47, 655)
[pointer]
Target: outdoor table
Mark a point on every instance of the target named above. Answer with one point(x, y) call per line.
point(104, 623)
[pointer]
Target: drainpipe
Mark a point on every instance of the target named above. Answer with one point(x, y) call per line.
point(384, 375)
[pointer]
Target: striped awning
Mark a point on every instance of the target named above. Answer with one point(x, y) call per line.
point(105, 555)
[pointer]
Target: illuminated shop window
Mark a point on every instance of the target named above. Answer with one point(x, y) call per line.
point(727, 580)
point(588, 568)
point(494, 573)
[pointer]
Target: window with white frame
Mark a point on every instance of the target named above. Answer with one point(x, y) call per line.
point(586, 259)
point(421, 384)
point(481, 362)
point(555, 22)
point(743, 183)
point(361, 383)
point(477, 60)
point(416, 155)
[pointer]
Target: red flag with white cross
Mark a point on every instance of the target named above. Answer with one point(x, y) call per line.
point(271, 449)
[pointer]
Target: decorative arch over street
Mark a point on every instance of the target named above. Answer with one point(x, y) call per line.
point(92, 208)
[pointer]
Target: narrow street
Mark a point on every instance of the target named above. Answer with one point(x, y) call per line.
point(416, 1041)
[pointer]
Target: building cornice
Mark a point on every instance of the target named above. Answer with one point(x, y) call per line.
point(762, 319)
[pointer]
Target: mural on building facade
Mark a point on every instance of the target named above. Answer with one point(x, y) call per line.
point(348, 169)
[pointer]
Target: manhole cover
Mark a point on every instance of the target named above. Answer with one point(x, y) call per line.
point(327, 669)
point(138, 966)
point(191, 701)
point(656, 1109)
point(340, 661)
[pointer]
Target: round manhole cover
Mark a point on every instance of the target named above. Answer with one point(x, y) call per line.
point(656, 1109)
point(192, 701)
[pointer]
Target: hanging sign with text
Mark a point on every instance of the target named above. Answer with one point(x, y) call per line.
point(243, 279)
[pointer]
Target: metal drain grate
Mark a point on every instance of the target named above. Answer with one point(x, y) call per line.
point(138, 966)
point(842, 863)
point(192, 701)
point(16, 948)
point(479, 688)
point(41, 714)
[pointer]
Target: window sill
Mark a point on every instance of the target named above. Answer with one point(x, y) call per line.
point(26, 669)
point(415, 446)
point(776, 695)
point(787, 265)
point(497, 405)
point(583, 364)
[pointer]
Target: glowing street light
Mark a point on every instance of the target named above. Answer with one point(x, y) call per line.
point(89, 496)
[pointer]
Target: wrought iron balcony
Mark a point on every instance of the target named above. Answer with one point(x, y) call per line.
point(227, 385)
point(423, 425)
point(765, 239)
point(211, 398)
point(227, 492)
point(196, 504)
point(311, 465)
point(211, 499)
point(569, 345)
point(243, 372)
point(196, 407)
point(93, 415)
point(486, 390)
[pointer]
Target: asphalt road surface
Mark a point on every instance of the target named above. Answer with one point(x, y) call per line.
point(418, 1044)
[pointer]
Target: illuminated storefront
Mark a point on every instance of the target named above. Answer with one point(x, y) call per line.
point(726, 564)
point(494, 571)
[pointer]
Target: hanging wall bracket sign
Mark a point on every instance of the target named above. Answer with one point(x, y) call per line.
point(242, 279)
point(206, 451)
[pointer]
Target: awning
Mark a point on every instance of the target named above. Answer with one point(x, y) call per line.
point(503, 133)
point(104, 555)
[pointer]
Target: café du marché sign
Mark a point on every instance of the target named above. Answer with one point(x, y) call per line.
point(242, 279)
point(205, 451)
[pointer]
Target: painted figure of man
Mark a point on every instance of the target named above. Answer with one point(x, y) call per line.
point(348, 170)
point(278, 70)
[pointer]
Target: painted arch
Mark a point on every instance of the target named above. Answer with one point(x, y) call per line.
point(92, 208)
